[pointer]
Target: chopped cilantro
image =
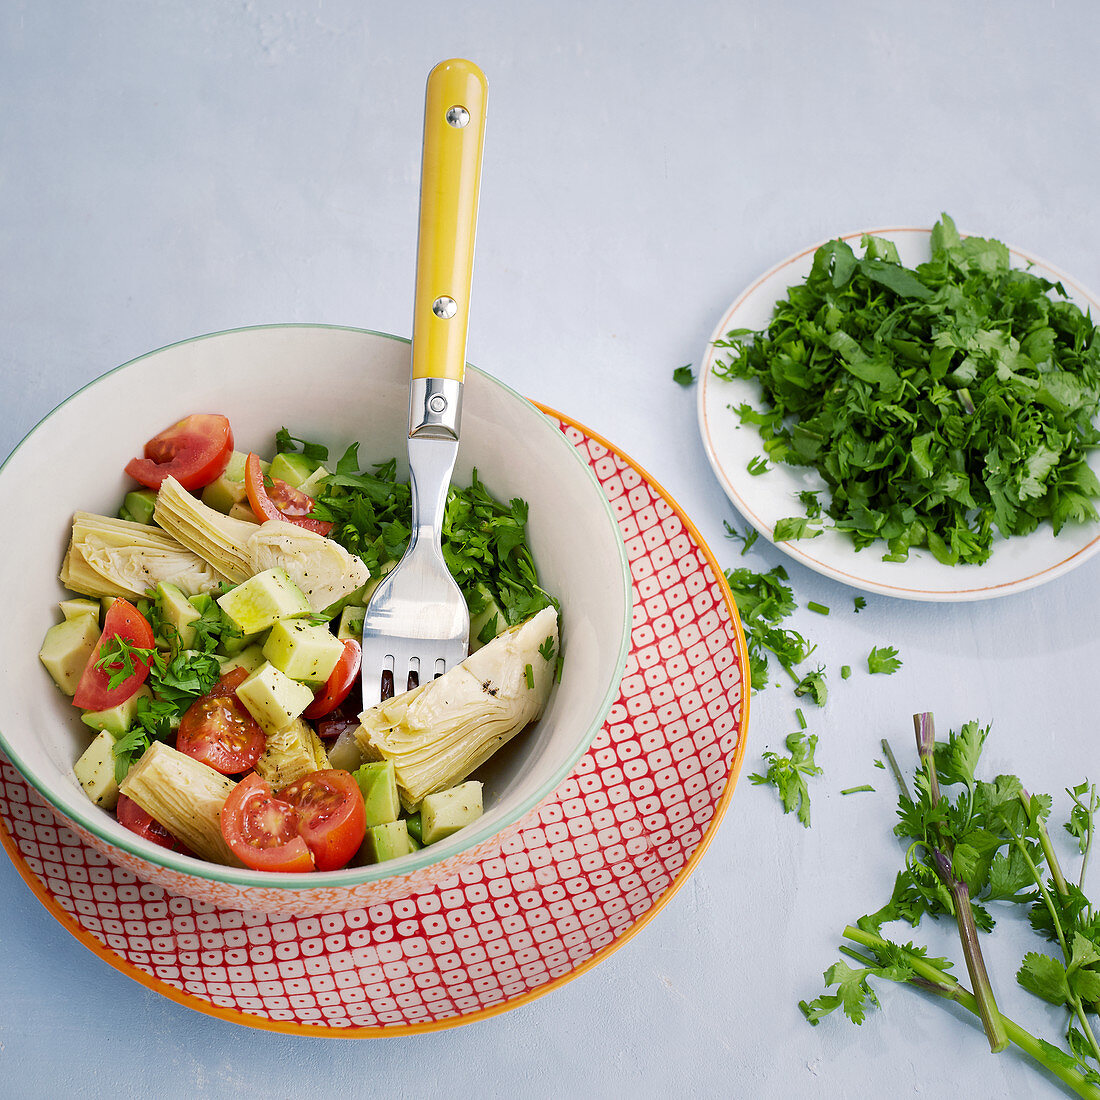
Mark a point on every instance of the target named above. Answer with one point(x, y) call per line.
point(788, 774)
point(884, 660)
point(684, 375)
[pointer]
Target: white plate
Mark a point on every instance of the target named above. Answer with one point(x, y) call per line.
point(1014, 564)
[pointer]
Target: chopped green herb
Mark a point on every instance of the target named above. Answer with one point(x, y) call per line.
point(747, 539)
point(546, 649)
point(941, 405)
point(860, 604)
point(764, 601)
point(758, 465)
point(683, 375)
point(529, 674)
point(820, 608)
point(788, 774)
point(801, 718)
point(858, 790)
point(845, 671)
point(793, 527)
point(813, 685)
point(884, 660)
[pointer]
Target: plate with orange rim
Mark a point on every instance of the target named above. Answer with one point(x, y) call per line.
point(588, 868)
point(1014, 565)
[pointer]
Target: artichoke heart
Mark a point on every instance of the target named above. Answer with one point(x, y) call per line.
point(118, 557)
point(185, 796)
point(438, 733)
point(320, 567)
point(216, 538)
point(290, 753)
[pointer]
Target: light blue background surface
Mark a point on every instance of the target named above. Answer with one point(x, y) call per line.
point(169, 169)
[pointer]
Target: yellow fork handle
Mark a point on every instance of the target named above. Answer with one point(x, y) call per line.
point(450, 181)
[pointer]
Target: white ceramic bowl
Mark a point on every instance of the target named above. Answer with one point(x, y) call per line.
point(334, 385)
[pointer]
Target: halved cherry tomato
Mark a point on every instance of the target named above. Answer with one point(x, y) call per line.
point(262, 830)
point(339, 684)
point(265, 502)
point(218, 730)
point(133, 817)
point(194, 451)
point(122, 620)
point(331, 817)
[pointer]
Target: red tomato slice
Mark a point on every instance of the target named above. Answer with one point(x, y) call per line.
point(218, 730)
point(265, 502)
point(331, 817)
point(195, 452)
point(339, 684)
point(122, 620)
point(133, 817)
point(262, 830)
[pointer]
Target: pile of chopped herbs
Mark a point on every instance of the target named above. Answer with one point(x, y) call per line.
point(941, 405)
point(484, 540)
point(976, 851)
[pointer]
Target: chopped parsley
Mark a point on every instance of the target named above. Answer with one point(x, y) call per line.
point(942, 405)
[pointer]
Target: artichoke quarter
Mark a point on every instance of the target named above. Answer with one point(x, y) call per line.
point(439, 732)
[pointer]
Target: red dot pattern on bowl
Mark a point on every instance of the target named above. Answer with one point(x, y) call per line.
point(585, 869)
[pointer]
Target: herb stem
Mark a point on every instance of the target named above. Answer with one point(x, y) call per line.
point(1074, 999)
point(934, 980)
point(925, 729)
point(891, 759)
point(1048, 849)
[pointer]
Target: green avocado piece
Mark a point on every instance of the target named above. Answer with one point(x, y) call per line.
point(95, 771)
point(445, 812)
point(262, 600)
point(139, 505)
point(351, 622)
point(387, 841)
point(378, 782)
point(303, 650)
point(66, 649)
point(81, 606)
point(179, 613)
point(249, 658)
point(292, 468)
point(487, 618)
point(118, 719)
point(273, 698)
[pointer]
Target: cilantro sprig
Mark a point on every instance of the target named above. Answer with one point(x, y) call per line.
point(981, 846)
point(942, 405)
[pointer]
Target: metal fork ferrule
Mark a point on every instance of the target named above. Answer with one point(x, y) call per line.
point(435, 408)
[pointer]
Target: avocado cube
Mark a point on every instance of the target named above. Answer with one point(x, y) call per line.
point(66, 649)
point(222, 493)
point(249, 658)
point(487, 618)
point(262, 600)
point(273, 698)
point(140, 504)
point(351, 622)
point(378, 782)
point(314, 485)
point(71, 609)
point(179, 613)
point(95, 771)
point(387, 841)
point(303, 650)
point(412, 823)
point(118, 719)
point(291, 468)
point(445, 812)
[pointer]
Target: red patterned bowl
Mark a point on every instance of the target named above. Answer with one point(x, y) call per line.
point(335, 385)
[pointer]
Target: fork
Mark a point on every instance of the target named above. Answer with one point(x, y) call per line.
point(417, 624)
